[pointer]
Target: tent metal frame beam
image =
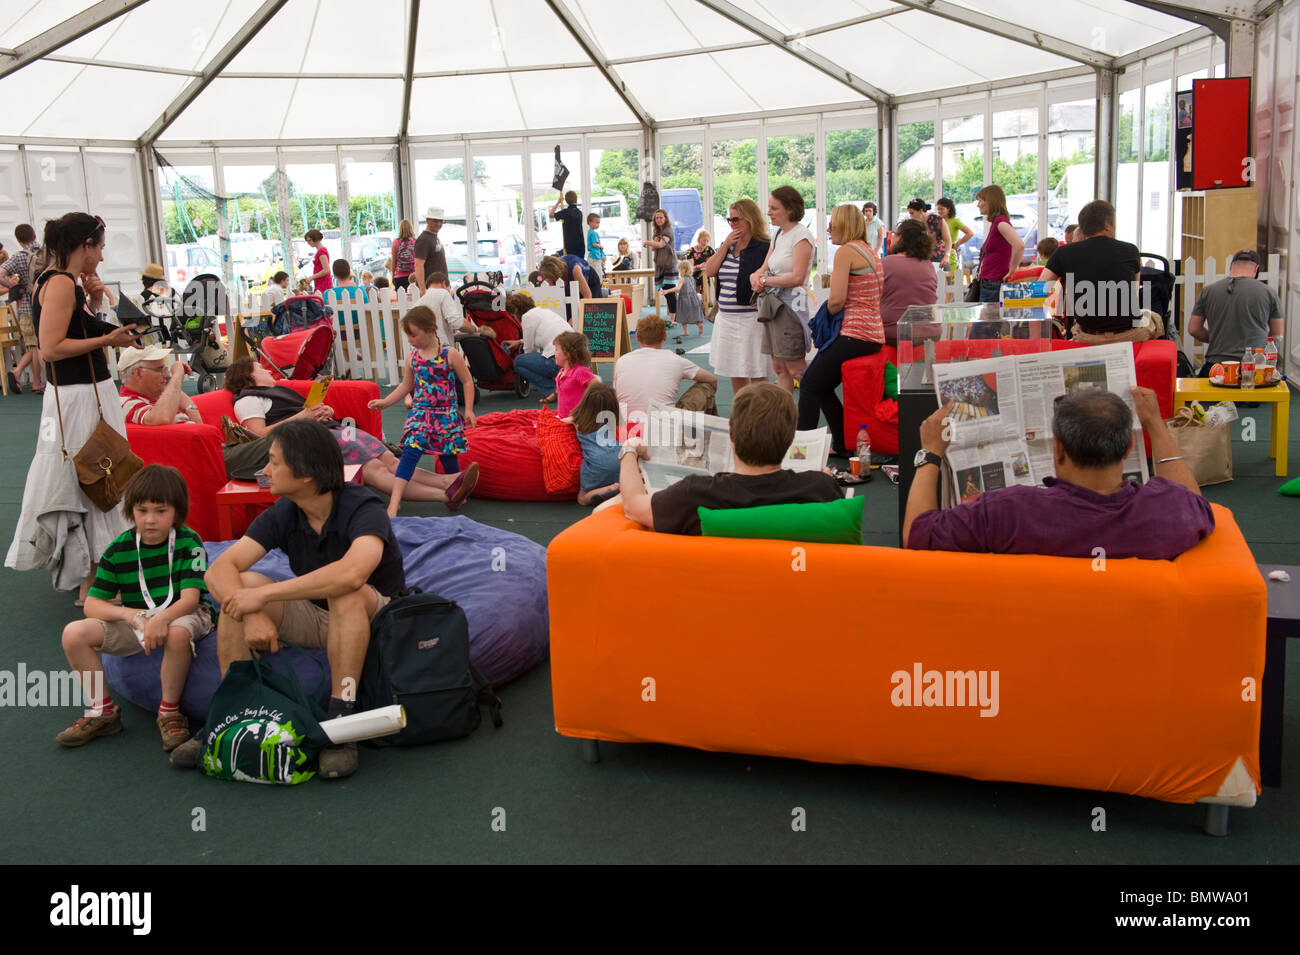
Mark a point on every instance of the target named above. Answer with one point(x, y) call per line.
point(1164, 46)
point(797, 49)
point(1011, 31)
point(1013, 82)
point(218, 63)
point(597, 57)
point(1218, 23)
point(118, 65)
point(408, 74)
point(61, 34)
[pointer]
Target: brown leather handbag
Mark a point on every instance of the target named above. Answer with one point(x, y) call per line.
point(105, 462)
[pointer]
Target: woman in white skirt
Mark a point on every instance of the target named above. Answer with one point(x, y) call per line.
point(60, 528)
point(736, 347)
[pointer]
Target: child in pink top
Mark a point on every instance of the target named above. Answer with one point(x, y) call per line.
point(574, 359)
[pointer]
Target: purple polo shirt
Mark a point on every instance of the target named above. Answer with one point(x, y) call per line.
point(1157, 521)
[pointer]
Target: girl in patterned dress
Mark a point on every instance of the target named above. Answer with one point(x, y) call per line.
point(433, 425)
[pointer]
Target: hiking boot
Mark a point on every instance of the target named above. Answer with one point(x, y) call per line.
point(186, 755)
point(86, 728)
point(338, 762)
point(461, 488)
point(175, 729)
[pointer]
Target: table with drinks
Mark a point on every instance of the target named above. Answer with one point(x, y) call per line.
point(1254, 378)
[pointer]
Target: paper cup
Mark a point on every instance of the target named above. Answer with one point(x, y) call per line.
point(855, 466)
point(1231, 372)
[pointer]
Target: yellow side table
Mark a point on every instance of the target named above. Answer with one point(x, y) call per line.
point(1278, 395)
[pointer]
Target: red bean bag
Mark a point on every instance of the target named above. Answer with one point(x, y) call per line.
point(509, 456)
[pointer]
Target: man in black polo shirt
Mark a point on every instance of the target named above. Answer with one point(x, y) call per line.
point(340, 544)
point(1100, 298)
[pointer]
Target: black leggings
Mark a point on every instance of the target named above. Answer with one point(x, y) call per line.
point(824, 375)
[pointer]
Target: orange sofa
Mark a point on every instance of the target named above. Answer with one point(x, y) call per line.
point(1117, 679)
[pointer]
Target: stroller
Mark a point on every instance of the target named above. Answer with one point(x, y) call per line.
point(300, 355)
point(490, 364)
point(1157, 293)
point(299, 311)
point(188, 327)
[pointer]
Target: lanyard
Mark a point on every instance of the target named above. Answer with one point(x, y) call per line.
point(144, 587)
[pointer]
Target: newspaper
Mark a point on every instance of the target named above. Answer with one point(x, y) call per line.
point(1002, 419)
point(682, 443)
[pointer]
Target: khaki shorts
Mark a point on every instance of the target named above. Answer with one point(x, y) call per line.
point(783, 337)
point(307, 625)
point(120, 639)
point(29, 331)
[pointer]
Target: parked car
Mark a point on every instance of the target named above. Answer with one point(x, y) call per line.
point(186, 261)
point(504, 252)
point(686, 212)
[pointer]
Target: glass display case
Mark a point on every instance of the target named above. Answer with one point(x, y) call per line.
point(965, 331)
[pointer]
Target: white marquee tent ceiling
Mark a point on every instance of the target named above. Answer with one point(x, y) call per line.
point(336, 69)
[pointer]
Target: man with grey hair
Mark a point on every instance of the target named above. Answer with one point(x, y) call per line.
point(1089, 504)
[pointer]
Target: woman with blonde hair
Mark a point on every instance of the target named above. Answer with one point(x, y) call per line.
point(856, 282)
point(1003, 247)
point(736, 350)
point(403, 258)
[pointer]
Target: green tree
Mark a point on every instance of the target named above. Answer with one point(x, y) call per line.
point(455, 171)
point(911, 138)
point(968, 179)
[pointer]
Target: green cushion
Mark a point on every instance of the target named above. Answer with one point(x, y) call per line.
point(1291, 488)
point(833, 522)
point(891, 380)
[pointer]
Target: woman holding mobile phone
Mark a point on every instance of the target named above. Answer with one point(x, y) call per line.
point(65, 301)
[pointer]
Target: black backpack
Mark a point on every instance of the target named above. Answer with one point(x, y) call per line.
point(419, 657)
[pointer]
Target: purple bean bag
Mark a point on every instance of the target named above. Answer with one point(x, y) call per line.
point(498, 578)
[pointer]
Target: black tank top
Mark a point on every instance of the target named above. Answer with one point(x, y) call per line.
point(285, 402)
point(81, 325)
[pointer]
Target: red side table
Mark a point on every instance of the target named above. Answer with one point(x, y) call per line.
point(251, 497)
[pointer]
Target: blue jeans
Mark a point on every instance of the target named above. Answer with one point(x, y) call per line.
point(538, 371)
point(990, 289)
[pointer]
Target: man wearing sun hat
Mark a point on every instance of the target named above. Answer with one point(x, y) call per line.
point(430, 256)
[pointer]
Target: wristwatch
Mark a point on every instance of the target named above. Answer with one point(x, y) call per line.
point(924, 457)
point(626, 450)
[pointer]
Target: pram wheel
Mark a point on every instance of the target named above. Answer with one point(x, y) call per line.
point(522, 386)
point(207, 382)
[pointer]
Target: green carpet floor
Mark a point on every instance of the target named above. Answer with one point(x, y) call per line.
point(118, 801)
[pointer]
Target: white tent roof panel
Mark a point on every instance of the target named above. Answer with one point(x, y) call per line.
point(914, 52)
point(1113, 28)
point(651, 27)
point(341, 65)
point(798, 16)
point(470, 34)
point(75, 103)
point(22, 20)
point(148, 34)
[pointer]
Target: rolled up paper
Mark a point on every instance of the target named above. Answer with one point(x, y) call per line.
point(358, 726)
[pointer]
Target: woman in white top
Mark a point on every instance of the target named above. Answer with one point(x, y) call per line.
point(875, 228)
point(736, 347)
point(786, 271)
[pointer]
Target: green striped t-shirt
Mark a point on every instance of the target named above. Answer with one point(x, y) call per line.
point(119, 573)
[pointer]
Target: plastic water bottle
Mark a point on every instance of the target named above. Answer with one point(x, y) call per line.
point(1270, 360)
point(1248, 370)
point(864, 448)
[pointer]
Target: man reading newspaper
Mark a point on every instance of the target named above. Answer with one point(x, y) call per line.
point(1091, 501)
point(762, 435)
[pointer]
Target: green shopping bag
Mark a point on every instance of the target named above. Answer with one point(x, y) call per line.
point(262, 727)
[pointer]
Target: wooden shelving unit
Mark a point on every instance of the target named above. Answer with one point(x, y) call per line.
point(1218, 223)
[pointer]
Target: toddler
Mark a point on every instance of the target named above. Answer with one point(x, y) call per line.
point(690, 309)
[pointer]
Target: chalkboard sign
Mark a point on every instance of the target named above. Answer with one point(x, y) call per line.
point(604, 323)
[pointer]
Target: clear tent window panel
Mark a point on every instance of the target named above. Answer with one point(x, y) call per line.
point(735, 177)
point(188, 203)
point(915, 162)
point(439, 182)
point(1071, 151)
point(372, 213)
point(1015, 169)
point(963, 159)
point(498, 219)
point(253, 220)
point(1155, 164)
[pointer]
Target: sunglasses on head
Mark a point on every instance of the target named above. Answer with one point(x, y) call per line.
point(99, 224)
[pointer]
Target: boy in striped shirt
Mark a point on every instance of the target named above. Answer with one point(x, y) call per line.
point(157, 567)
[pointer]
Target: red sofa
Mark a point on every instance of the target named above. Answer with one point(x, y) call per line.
point(195, 449)
point(1156, 363)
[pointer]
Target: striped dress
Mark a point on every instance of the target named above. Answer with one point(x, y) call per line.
point(736, 348)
